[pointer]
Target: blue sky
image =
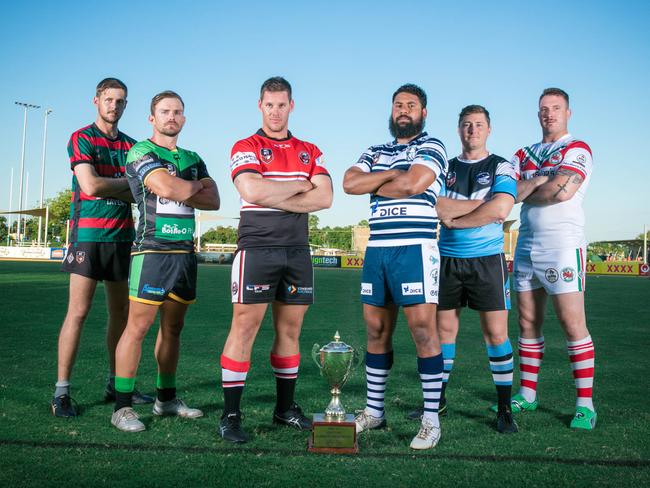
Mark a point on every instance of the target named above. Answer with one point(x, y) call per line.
point(344, 60)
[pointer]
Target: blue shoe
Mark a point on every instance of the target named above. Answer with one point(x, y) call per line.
point(62, 406)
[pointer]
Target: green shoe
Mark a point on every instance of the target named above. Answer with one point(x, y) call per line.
point(518, 403)
point(584, 419)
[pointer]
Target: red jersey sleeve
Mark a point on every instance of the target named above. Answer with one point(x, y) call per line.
point(243, 158)
point(516, 163)
point(80, 149)
point(318, 163)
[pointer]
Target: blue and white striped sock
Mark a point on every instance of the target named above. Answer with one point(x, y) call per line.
point(377, 369)
point(430, 370)
point(501, 365)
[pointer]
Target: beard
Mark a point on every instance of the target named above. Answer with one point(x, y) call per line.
point(405, 131)
point(170, 130)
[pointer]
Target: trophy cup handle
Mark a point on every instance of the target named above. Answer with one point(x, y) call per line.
point(315, 355)
point(357, 358)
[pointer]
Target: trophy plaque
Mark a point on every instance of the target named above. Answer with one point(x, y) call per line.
point(334, 430)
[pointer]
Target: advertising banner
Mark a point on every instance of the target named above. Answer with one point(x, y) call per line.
point(351, 262)
point(326, 261)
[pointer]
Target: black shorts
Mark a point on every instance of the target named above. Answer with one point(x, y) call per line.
point(101, 261)
point(156, 276)
point(481, 283)
point(266, 274)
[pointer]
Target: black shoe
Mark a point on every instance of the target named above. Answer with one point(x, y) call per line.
point(62, 406)
point(418, 412)
point(293, 418)
point(230, 428)
point(505, 423)
point(137, 397)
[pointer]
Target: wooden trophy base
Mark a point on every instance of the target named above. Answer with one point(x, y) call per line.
point(333, 436)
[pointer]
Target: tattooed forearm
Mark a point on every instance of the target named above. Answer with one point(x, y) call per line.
point(577, 179)
point(561, 188)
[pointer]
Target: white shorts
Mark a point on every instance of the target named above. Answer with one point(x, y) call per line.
point(556, 270)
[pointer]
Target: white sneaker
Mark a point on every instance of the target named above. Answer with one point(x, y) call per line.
point(427, 437)
point(365, 421)
point(176, 407)
point(127, 420)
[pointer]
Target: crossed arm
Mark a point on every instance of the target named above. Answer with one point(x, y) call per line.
point(550, 191)
point(298, 196)
point(207, 198)
point(391, 183)
point(494, 210)
point(170, 187)
point(100, 186)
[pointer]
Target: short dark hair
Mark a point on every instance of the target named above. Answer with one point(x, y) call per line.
point(107, 83)
point(275, 84)
point(555, 91)
point(474, 109)
point(161, 96)
point(413, 90)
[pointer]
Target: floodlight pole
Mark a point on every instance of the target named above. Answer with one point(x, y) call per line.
point(11, 201)
point(22, 163)
point(25, 219)
point(40, 218)
point(645, 244)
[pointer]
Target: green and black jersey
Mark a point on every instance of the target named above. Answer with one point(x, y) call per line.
point(164, 225)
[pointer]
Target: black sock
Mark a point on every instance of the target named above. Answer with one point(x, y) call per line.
point(442, 392)
point(166, 394)
point(284, 388)
point(123, 400)
point(503, 393)
point(232, 399)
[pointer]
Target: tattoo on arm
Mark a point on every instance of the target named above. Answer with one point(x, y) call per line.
point(577, 179)
point(562, 187)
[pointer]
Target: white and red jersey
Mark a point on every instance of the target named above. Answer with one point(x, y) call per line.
point(288, 159)
point(562, 224)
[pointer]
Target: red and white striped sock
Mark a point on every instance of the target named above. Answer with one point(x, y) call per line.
point(581, 355)
point(233, 378)
point(285, 369)
point(531, 353)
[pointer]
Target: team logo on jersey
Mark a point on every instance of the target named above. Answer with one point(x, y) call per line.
point(171, 169)
point(375, 158)
point(551, 275)
point(235, 288)
point(483, 178)
point(410, 153)
point(266, 154)
point(568, 274)
point(451, 178)
point(556, 157)
point(80, 256)
point(304, 157)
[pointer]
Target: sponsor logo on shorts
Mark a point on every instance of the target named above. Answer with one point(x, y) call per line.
point(556, 157)
point(568, 274)
point(434, 276)
point(551, 275)
point(70, 257)
point(451, 178)
point(234, 287)
point(266, 154)
point(433, 259)
point(433, 293)
point(258, 288)
point(366, 289)
point(300, 290)
point(304, 157)
point(80, 256)
point(508, 293)
point(152, 290)
point(414, 288)
point(483, 178)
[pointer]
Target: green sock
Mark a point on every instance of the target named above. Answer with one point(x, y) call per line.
point(166, 380)
point(124, 385)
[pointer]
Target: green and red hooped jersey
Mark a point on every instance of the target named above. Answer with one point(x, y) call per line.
point(99, 219)
point(164, 225)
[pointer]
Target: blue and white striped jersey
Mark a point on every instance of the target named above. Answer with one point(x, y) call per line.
point(405, 221)
point(476, 180)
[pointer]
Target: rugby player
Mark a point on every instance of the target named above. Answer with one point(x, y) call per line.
point(101, 234)
point(280, 180)
point(168, 183)
point(401, 265)
point(473, 269)
point(550, 254)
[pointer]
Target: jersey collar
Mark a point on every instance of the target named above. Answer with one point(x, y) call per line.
point(261, 133)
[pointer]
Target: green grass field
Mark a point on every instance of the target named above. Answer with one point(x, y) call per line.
point(37, 449)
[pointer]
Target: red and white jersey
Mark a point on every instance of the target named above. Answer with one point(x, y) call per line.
point(287, 159)
point(562, 224)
